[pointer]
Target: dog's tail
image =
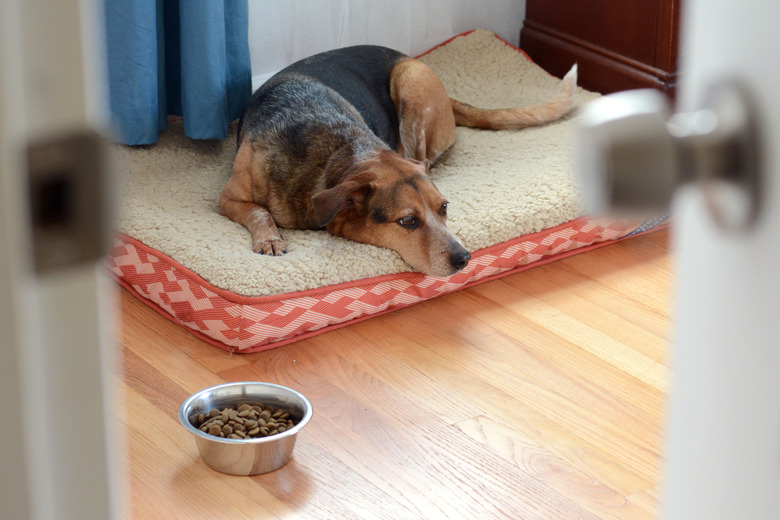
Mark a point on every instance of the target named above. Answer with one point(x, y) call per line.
point(519, 117)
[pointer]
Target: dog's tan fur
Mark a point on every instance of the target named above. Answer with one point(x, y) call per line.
point(427, 120)
point(359, 189)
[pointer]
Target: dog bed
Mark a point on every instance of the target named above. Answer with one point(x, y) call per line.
point(513, 202)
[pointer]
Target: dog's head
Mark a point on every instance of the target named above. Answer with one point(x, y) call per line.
point(391, 202)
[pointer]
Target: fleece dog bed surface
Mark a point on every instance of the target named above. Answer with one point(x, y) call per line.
point(513, 203)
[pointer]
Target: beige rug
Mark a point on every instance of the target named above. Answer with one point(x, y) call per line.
point(500, 185)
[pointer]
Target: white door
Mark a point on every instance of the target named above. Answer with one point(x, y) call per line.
point(723, 440)
point(55, 449)
point(723, 448)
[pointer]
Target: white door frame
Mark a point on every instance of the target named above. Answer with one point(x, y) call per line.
point(58, 452)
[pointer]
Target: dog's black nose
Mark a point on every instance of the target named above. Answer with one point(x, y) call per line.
point(459, 259)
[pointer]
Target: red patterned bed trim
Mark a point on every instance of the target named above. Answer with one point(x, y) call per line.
point(250, 324)
point(465, 33)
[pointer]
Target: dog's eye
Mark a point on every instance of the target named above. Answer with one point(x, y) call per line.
point(409, 222)
point(443, 210)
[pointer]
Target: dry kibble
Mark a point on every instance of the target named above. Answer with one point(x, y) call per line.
point(246, 421)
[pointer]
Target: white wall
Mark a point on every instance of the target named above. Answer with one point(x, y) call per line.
point(283, 32)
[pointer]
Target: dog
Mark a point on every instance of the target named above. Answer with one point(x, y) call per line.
point(344, 140)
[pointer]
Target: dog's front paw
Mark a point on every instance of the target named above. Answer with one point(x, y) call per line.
point(273, 246)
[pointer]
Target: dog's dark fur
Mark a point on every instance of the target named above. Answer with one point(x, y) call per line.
point(344, 140)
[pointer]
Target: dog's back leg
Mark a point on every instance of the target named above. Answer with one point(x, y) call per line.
point(427, 124)
point(238, 204)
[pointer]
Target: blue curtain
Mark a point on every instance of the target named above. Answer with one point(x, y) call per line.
point(188, 58)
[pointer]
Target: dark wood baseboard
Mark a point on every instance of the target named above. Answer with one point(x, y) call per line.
point(600, 70)
point(618, 45)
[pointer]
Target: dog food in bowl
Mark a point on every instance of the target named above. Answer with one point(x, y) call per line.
point(246, 421)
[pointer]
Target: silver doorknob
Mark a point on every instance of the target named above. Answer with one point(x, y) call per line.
point(632, 153)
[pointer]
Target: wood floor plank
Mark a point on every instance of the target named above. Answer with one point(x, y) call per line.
point(419, 448)
point(636, 267)
point(575, 484)
point(529, 347)
point(522, 354)
point(539, 395)
point(616, 314)
point(555, 319)
point(533, 402)
point(347, 349)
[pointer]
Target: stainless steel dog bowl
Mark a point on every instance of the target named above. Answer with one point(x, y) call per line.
point(246, 456)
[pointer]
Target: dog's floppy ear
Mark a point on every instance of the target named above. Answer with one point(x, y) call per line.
point(351, 191)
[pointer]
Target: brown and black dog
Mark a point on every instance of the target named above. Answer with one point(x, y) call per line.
point(344, 141)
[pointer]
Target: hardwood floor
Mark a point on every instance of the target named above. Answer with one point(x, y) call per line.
point(539, 395)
